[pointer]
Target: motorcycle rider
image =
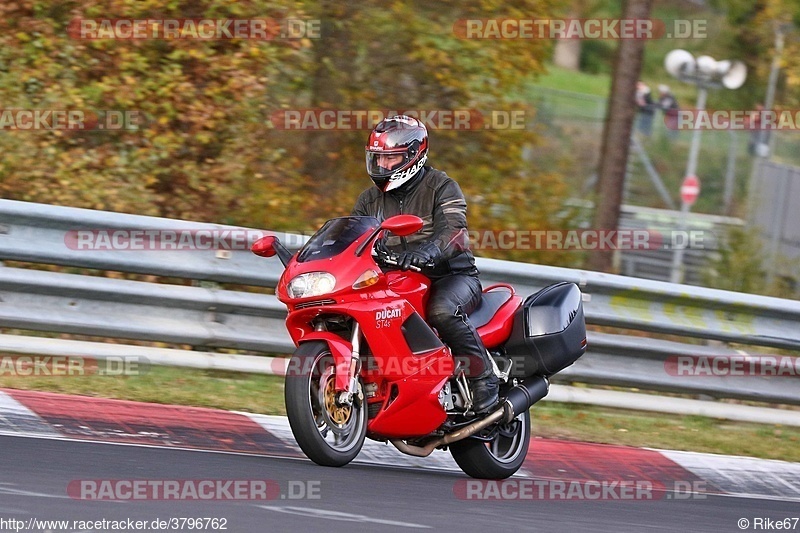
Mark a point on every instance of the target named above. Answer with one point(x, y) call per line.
point(396, 153)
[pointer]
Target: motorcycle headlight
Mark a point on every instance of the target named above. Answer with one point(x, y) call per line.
point(311, 284)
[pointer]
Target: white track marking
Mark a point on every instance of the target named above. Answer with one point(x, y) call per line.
point(338, 515)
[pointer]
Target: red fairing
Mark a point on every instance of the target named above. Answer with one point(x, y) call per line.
point(341, 351)
point(414, 412)
point(414, 288)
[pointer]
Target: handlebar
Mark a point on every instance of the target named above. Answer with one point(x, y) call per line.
point(391, 259)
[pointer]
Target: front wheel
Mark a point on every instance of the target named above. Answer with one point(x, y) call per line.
point(501, 456)
point(329, 433)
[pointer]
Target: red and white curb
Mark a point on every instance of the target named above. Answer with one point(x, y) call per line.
point(49, 415)
point(743, 476)
point(15, 418)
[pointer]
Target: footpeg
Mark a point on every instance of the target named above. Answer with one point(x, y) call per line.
point(464, 389)
point(502, 375)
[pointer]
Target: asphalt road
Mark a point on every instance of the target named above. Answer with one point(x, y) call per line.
point(39, 479)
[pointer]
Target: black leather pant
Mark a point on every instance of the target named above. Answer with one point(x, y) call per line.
point(452, 298)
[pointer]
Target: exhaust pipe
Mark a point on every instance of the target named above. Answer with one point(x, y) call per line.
point(460, 434)
point(518, 400)
point(523, 396)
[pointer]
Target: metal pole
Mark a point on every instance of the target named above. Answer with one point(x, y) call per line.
point(778, 223)
point(652, 172)
point(691, 170)
point(773, 77)
point(730, 173)
point(768, 104)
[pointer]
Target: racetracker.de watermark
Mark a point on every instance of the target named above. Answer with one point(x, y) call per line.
point(193, 489)
point(365, 119)
point(258, 29)
point(719, 366)
point(402, 366)
point(733, 119)
point(35, 366)
point(167, 240)
point(586, 240)
point(584, 490)
point(570, 28)
point(71, 120)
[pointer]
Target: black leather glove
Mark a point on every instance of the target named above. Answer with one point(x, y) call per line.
point(420, 257)
point(380, 247)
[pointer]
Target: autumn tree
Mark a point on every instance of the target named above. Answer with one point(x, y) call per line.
point(209, 149)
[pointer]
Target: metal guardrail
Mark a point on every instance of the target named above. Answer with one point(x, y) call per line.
point(87, 305)
point(38, 233)
point(209, 317)
point(660, 307)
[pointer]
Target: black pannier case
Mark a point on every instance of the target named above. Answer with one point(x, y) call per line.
point(549, 332)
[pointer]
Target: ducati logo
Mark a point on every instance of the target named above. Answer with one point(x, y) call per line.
point(387, 314)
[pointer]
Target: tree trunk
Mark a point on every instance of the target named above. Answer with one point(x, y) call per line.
point(331, 88)
point(620, 116)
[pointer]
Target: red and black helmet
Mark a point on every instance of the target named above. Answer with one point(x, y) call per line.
point(396, 136)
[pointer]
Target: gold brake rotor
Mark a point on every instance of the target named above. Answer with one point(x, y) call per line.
point(339, 414)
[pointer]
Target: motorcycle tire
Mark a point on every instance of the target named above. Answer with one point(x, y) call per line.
point(499, 458)
point(329, 434)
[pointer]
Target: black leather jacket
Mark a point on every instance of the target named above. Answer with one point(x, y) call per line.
point(439, 202)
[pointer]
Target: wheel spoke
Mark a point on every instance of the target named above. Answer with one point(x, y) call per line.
point(508, 441)
point(338, 425)
point(495, 446)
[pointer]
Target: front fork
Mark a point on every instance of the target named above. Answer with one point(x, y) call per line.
point(346, 397)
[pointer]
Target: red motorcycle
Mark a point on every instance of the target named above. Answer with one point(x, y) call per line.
point(368, 364)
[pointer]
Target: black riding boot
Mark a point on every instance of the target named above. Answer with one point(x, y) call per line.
point(485, 389)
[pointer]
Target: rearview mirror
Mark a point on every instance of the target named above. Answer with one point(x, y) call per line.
point(402, 225)
point(264, 247)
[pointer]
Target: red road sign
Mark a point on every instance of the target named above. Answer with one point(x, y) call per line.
point(690, 189)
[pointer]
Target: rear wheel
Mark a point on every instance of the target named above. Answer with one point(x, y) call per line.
point(328, 432)
point(499, 457)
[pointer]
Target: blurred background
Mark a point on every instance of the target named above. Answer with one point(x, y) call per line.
point(208, 150)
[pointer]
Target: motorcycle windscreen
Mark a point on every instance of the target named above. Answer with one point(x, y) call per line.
point(335, 236)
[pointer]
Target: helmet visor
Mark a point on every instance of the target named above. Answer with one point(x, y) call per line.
point(383, 164)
